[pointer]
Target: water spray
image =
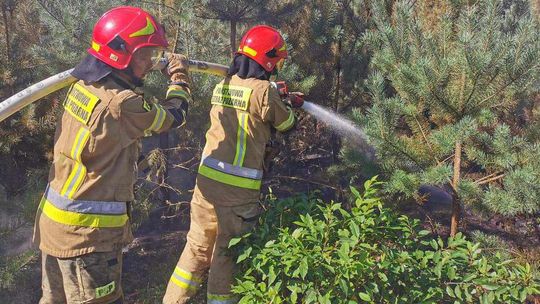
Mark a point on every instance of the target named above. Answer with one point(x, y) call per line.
point(342, 126)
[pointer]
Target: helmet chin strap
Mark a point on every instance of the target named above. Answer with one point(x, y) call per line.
point(128, 76)
point(274, 75)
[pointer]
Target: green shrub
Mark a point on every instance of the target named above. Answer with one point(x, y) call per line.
point(13, 269)
point(306, 251)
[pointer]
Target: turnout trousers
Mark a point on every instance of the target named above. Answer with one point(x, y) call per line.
point(93, 278)
point(212, 227)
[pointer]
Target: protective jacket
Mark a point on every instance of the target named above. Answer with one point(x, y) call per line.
point(243, 112)
point(85, 206)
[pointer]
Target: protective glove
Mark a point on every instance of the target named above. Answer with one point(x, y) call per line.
point(177, 63)
point(295, 99)
point(179, 85)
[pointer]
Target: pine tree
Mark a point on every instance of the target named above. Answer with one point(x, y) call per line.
point(232, 11)
point(26, 136)
point(452, 102)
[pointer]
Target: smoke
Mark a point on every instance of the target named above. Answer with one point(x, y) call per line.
point(342, 126)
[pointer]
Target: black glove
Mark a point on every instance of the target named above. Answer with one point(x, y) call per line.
point(180, 114)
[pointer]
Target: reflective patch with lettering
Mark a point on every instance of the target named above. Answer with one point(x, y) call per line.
point(105, 290)
point(80, 103)
point(232, 96)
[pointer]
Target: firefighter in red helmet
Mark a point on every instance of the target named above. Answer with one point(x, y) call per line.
point(225, 204)
point(82, 221)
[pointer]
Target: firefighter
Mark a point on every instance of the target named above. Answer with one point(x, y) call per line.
point(83, 219)
point(225, 203)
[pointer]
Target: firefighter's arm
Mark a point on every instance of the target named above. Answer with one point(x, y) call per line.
point(276, 112)
point(179, 93)
point(139, 117)
point(177, 70)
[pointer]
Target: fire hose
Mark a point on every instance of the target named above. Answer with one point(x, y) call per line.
point(61, 80)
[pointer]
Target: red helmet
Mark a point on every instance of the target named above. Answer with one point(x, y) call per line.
point(265, 45)
point(123, 30)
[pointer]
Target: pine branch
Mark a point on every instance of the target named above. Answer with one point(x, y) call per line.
point(426, 140)
point(47, 9)
point(512, 81)
point(397, 149)
point(446, 104)
point(489, 180)
point(486, 177)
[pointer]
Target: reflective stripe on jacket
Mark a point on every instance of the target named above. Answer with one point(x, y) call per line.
point(242, 115)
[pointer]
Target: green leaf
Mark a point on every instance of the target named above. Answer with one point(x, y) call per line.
point(355, 192)
point(234, 241)
point(457, 292)
point(451, 273)
point(382, 276)
point(424, 233)
point(244, 255)
point(450, 291)
point(364, 296)
point(303, 268)
point(294, 296)
point(490, 286)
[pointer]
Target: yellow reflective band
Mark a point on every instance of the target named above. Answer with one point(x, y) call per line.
point(185, 279)
point(221, 299)
point(159, 119)
point(78, 172)
point(287, 123)
point(147, 30)
point(95, 46)
point(231, 96)
point(284, 47)
point(80, 141)
point(82, 219)
point(80, 103)
point(74, 181)
point(187, 275)
point(249, 51)
point(228, 179)
point(173, 92)
point(241, 139)
point(184, 114)
point(146, 106)
point(182, 284)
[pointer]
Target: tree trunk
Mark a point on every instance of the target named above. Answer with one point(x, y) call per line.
point(233, 37)
point(164, 145)
point(335, 139)
point(6, 33)
point(456, 207)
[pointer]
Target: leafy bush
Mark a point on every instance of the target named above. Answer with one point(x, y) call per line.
point(12, 269)
point(306, 251)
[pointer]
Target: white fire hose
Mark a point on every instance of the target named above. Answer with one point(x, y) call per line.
point(54, 83)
